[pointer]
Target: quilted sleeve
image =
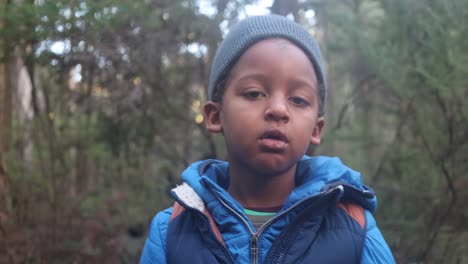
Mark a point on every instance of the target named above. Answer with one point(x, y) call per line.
point(154, 251)
point(376, 249)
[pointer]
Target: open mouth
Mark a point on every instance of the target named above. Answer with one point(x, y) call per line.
point(275, 135)
point(273, 141)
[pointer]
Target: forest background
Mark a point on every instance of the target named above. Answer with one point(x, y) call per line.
point(100, 111)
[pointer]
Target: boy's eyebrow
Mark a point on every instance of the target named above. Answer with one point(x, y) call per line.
point(298, 82)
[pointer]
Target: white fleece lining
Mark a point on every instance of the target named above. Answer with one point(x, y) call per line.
point(189, 197)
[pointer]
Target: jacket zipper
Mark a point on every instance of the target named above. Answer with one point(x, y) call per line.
point(255, 235)
point(254, 248)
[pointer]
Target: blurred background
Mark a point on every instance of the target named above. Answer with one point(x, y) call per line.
point(100, 111)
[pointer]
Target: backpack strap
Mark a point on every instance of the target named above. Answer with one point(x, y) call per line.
point(179, 209)
point(355, 211)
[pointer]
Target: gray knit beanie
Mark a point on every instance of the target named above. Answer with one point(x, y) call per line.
point(253, 29)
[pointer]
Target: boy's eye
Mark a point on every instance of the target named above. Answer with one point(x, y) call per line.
point(253, 94)
point(299, 101)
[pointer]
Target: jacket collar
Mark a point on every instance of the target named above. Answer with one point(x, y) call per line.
point(209, 179)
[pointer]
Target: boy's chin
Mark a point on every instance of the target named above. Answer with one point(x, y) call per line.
point(273, 166)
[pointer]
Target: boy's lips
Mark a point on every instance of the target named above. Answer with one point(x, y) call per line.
point(273, 140)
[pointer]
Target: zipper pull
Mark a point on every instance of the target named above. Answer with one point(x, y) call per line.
point(254, 248)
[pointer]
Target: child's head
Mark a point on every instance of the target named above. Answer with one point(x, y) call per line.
point(267, 94)
point(252, 30)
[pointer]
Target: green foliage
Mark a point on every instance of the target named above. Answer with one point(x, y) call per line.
point(407, 128)
point(102, 150)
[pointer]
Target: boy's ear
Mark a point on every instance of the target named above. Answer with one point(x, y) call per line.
point(212, 113)
point(317, 133)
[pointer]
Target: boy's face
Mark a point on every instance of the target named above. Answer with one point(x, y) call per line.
point(269, 111)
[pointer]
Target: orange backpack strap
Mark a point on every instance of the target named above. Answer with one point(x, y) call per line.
point(179, 209)
point(355, 211)
point(214, 226)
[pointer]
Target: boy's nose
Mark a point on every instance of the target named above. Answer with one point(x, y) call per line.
point(277, 110)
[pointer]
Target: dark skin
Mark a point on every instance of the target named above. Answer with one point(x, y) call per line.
point(269, 117)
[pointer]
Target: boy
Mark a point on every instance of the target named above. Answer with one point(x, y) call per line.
point(270, 203)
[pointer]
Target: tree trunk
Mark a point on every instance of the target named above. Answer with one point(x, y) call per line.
point(5, 127)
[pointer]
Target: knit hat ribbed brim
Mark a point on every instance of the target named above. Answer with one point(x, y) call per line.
point(253, 29)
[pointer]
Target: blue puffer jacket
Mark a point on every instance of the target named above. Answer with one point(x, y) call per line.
point(208, 226)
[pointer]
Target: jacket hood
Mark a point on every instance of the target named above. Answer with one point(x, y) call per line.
point(210, 179)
